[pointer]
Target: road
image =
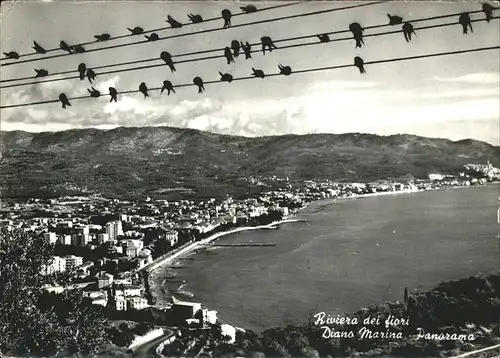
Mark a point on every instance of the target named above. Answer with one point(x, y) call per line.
point(148, 349)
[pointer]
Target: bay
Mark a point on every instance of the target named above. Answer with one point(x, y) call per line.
point(351, 254)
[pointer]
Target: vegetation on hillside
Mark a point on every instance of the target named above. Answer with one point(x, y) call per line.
point(172, 161)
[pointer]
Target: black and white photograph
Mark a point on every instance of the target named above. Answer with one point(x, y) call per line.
point(240, 179)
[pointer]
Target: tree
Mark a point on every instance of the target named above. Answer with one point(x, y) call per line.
point(31, 322)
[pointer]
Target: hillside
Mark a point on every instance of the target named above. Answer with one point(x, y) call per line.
point(137, 161)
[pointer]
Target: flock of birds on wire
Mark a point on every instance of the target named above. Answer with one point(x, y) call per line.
point(230, 52)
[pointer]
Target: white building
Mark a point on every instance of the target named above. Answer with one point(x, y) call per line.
point(229, 331)
point(104, 279)
point(137, 303)
point(58, 264)
point(114, 229)
point(65, 239)
point(436, 177)
point(121, 304)
point(73, 261)
point(50, 237)
point(102, 238)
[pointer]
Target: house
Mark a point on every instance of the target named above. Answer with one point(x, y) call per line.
point(73, 261)
point(104, 279)
point(120, 304)
point(228, 331)
point(182, 311)
point(137, 303)
point(58, 264)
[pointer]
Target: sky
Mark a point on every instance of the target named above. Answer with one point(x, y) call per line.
point(453, 97)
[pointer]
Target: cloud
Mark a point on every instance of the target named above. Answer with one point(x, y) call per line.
point(476, 78)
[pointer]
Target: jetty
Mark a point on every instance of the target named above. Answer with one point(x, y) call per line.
point(241, 245)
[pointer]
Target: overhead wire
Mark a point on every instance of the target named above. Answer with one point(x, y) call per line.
point(15, 62)
point(222, 56)
point(94, 42)
point(119, 64)
point(316, 69)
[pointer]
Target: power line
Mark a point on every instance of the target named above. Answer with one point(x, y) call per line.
point(317, 69)
point(201, 32)
point(222, 56)
point(154, 30)
point(221, 49)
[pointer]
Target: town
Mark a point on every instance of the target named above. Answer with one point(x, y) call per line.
point(106, 247)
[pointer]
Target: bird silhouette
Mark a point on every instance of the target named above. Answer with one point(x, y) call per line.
point(78, 49)
point(235, 46)
point(258, 73)
point(173, 22)
point(247, 49)
point(226, 77)
point(488, 11)
point(114, 94)
point(41, 73)
point(359, 63)
point(136, 30)
point(144, 89)
point(408, 31)
point(153, 37)
point(285, 70)
point(267, 43)
point(82, 68)
point(247, 9)
point(90, 75)
point(11, 55)
point(64, 100)
point(394, 20)
point(165, 56)
point(357, 32)
point(65, 47)
point(228, 54)
point(323, 38)
point(102, 37)
point(464, 20)
point(38, 48)
point(195, 19)
point(167, 85)
point(199, 82)
point(94, 93)
point(226, 15)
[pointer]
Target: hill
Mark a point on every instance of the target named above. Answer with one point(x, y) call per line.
point(137, 161)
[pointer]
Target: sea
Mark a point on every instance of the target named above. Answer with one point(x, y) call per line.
point(350, 254)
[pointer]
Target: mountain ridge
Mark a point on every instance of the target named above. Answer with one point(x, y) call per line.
point(142, 160)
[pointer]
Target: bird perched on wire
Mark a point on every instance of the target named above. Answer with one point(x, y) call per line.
point(41, 73)
point(258, 73)
point(11, 55)
point(464, 20)
point(143, 89)
point(94, 93)
point(114, 94)
point(167, 85)
point(226, 77)
point(199, 82)
point(90, 75)
point(153, 37)
point(247, 49)
point(173, 22)
point(165, 56)
point(235, 46)
point(247, 9)
point(394, 20)
point(359, 63)
point(102, 37)
point(78, 49)
point(226, 15)
point(65, 47)
point(82, 68)
point(357, 32)
point(229, 55)
point(323, 38)
point(267, 43)
point(285, 70)
point(64, 100)
point(136, 30)
point(488, 11)
point(195, 19)
point(38, 48)
point(408, 31)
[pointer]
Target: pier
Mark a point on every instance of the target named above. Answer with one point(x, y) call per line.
point(242, 245)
